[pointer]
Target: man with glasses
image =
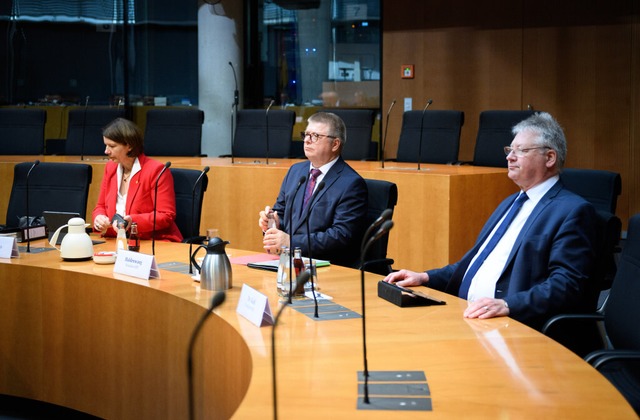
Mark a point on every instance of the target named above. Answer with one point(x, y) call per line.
point(326, 191)
point(534, 256)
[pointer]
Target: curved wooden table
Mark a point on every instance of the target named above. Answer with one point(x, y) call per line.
point(77, 335)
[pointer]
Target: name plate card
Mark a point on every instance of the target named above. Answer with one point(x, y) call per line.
point(9, 247)
point(135, 264)
point(254, 306)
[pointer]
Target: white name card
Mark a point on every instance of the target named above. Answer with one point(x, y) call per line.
point(9, 247)
point(254, 306)
point(135, 264)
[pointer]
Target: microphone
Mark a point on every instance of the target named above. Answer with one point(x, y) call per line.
point(384, 229)
point(216, 301)
point(429, 102)
point(266, 115)
point(300, 281)
point(290, 228)
point(319, 188)
point(386, 128)
point(27, 231)
point(234, 109)
point(385, 215)
point(155, 205)
point(193, 222)
point(84, 123)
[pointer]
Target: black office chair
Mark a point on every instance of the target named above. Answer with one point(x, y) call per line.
point(618, 359)
point(22, 131)
point(359, 123)
point(84, 134)
point(251, 127)
point(440, 136)
point(494, 132)
point(52, 186)
point(382, 195)
point(189, 202)
point(173, 132)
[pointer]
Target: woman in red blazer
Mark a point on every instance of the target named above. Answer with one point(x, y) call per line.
point(128, 186)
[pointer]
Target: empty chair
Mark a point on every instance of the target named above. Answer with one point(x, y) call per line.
point(359, 123)
point(52, 186)
point(22, 131)
point(84, 134)
point(189, 198)
point(494, 132)
point(440, 136)
point(600, 188)
point(382, 195)
point(173, 132)
point(250, 138)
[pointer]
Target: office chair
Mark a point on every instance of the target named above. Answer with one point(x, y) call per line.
point(84, 134)
point(618, 359)
point(173, 132)
point(440, 136)
point(359, 123)
point(52, 186)
point(382, 195)
point(22, 131)
point(188, 203)
point(251, 127)
point(494, 132)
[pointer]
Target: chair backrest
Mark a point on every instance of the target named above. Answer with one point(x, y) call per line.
point(251, 133)
point(188, 201)
point(173, 132)
point(359, 123)
point(621, 314)
point(494, 132)
point(440, 136)
point(600, 188)
point(22, 131)
point(52, 186)
point(84, 133)
point(382, 195)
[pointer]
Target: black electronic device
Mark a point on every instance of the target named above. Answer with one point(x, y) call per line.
point(405, 297)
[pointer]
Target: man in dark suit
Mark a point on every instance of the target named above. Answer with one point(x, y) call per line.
point(540, 263)
point(336, 210)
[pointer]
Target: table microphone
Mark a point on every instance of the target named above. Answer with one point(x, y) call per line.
point(216, 301)
point(386, 128)
point(429, 102)
point(234, 109)
point(313, 291)
point(27, 231)
point(385, 215)
point(155, 205)
point(300, 281)
point(266, 116)
point(193, 221)
point(384, 229)
point(290, 229)
point(84, 124)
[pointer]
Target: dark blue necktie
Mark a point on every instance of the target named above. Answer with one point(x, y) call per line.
point(493, 241)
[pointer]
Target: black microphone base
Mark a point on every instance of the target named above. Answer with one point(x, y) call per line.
point(403, 297)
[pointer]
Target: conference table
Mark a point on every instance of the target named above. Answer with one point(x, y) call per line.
point(440, 210)
point(79, 335)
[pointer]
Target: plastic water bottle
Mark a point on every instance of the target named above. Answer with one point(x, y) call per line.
point(121, 239)
point(282, 282)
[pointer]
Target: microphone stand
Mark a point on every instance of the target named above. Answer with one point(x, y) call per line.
point(266, 115)
point(290, 228)
point(27, 230)
point(313, 290)
point(234, 110)
point(300, 281)
point(193, 206)
point(384, 229)
point(216, 301)
point(84, 124)
point(155, 204)
point(386, 128)
point(429, 102)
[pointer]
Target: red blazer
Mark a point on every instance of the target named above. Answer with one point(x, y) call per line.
point(140, 200)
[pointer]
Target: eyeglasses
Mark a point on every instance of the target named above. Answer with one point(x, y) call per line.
point(314, 137)
point(521, 152)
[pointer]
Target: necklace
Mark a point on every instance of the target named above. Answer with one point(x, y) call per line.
point(125, 178)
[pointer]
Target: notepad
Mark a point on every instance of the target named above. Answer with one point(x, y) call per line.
point(272, 265)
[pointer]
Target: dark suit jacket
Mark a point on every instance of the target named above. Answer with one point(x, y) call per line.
point(549, 268)
point(336, 214)
point(140, 200)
